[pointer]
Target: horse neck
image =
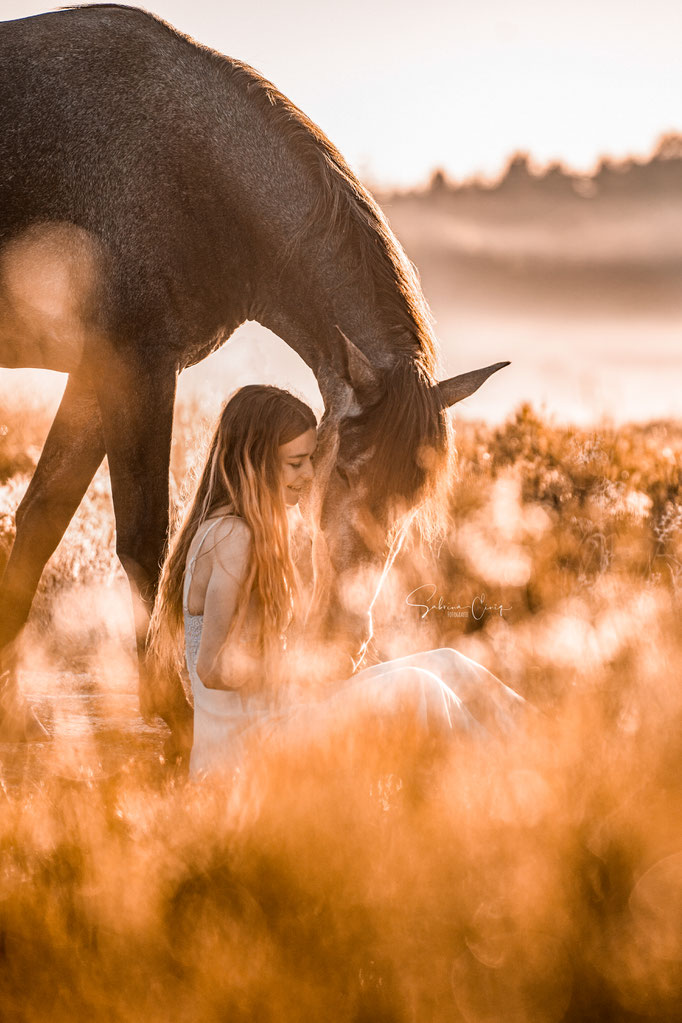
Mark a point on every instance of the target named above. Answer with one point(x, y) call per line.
point(324, 256)
point(312, 329)
point(320, 296)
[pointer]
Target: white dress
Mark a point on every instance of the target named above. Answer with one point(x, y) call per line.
point(442, 691)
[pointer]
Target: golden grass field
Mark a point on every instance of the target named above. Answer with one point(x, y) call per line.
point(529, 881)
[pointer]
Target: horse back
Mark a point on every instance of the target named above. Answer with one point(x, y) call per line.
point(117, 125)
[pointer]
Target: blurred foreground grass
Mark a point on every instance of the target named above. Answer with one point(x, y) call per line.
point(537, 880)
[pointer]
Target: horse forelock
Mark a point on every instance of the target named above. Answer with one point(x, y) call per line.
point(410, 435)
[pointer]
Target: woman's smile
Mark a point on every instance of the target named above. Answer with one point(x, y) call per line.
point(296, 460)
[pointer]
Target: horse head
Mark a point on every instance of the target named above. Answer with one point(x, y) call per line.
point(384, 462)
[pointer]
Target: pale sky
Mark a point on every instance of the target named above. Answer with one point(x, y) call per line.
point(401, 86)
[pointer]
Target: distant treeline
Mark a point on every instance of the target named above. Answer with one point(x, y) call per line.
point(660, 174)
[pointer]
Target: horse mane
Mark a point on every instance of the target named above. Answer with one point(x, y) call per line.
point(413, 462)
point(344, 211)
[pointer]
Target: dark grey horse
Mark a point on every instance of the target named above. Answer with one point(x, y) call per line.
point(154, 195)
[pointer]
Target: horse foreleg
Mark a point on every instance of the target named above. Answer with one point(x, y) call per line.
point(73, 450)
point(136, 406)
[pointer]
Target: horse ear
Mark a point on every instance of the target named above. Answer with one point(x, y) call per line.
point(356, 368)
point(456, 388)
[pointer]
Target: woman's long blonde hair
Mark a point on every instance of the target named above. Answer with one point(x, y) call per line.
point(243, 475)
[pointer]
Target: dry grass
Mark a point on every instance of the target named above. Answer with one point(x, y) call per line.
point(536, 880)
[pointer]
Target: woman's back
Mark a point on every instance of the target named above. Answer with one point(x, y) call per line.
point(217, 563)
point(228, 549)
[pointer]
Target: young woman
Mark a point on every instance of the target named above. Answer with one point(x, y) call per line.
point(231, 583)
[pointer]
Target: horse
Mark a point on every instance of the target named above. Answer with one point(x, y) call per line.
point(154, 195)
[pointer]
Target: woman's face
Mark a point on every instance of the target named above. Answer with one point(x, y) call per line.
point(296, 462)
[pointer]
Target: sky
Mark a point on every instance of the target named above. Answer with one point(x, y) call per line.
point(403, 87)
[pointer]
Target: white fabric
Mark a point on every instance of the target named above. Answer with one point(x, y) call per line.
point(219, 715)
point(442, 690)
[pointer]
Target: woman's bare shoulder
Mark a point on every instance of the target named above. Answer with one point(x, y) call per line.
point(233, 528)
point(232, 544)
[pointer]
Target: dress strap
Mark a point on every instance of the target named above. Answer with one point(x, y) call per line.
point(189, 571)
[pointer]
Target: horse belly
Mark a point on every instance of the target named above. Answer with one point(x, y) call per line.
point(49, 279)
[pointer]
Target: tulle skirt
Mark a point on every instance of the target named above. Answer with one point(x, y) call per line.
point(440, 694)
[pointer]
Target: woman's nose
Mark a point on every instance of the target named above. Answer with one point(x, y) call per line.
point(308, 471)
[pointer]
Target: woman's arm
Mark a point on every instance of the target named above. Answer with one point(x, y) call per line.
point(222, 665)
